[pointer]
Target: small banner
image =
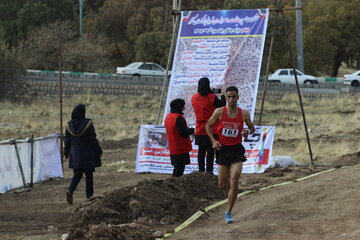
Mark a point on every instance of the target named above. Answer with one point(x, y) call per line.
point(153, 155)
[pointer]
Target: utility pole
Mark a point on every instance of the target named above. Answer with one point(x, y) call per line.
point(176, 20)
point(175, 5)
point(299, 42)
point(81, 3)
point(166, 15)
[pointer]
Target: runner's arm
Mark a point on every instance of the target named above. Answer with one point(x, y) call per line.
point(208, 127)
point(249, 123)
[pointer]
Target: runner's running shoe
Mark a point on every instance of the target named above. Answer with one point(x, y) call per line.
point(228, 218)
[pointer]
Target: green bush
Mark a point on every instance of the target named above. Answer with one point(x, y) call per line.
point(11, 72)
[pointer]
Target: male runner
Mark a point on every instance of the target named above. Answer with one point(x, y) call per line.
point(230, 150)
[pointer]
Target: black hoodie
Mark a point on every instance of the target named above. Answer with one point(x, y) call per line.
point(78, 121)
point(80, 141)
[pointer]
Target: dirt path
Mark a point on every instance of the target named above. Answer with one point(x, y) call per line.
point(324, 207)
point(42, 213)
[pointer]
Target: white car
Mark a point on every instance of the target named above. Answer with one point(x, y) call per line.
point(286, 75)
point(138, 69)
point(352, 79)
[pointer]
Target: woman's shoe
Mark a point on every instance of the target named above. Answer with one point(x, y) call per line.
point(69, 197)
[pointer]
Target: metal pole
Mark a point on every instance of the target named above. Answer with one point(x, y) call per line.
point(175, 5)
point(20, 164)
point(299, 42)
point(81, 3)
point(166, 15)
point(173, 41)
point(32, 161)
point(60, 98)
point(268, 63)
point(298, 91)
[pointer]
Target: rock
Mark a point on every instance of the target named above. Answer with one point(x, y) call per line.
point(159, 234)
point(143, 221)
point(64, 236)
point(164, 221)
point(51, 228)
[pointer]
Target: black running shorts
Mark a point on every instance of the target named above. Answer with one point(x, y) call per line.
point(230, 154)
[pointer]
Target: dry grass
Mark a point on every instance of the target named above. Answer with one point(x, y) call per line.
point(114, 117)
point(331, 122)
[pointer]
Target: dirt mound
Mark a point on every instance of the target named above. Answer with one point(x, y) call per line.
point(118, 232)
point(355, 132)
point(112, 144)
point(149, 203)
point(350, 159)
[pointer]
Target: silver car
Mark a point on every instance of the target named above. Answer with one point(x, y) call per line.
point(138, 69)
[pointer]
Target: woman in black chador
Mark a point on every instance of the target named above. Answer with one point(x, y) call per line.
point(82, 149)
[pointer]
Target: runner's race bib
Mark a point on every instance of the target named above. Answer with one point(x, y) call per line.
point(230, 132)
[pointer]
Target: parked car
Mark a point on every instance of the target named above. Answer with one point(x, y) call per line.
point(352, 79)
point(142, 69)
point(286, 75)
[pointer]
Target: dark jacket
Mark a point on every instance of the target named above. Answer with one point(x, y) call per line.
point(81, 144)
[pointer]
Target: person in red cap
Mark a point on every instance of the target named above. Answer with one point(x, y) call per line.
point(178, 135)
point(230, 126)
point(204, 103)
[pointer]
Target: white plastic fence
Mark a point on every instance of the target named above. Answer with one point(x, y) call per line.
point(24, 162)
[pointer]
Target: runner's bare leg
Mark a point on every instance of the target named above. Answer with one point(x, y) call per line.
point(223, 176)
point(235, 172)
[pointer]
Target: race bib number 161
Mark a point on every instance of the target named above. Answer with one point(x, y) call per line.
point(230, 132)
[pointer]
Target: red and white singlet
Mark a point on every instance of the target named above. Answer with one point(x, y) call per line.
point(230, 129)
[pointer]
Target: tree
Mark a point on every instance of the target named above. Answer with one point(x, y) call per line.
point(19, 17)
point(87, 54)
point(8, 27)
point(11, 72)
point(247, 4)
point(331, 34)
point(40, 50)
point(153, 46)
point(123, 22)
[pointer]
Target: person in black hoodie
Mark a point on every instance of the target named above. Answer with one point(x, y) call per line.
point(82, 149)
point(204, 103)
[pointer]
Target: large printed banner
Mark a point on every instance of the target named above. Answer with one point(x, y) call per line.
point(226, 46)
point(46, 162)
point(153, 155)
